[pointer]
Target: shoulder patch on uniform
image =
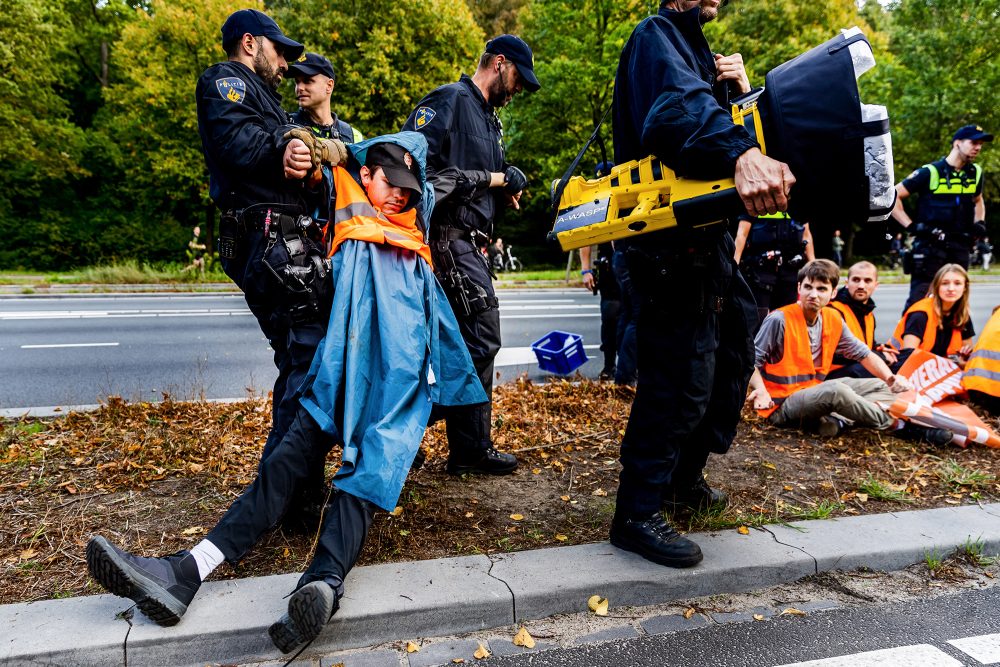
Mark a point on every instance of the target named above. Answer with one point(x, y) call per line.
point(423, 117)
point(915, 172)
point(232, 88)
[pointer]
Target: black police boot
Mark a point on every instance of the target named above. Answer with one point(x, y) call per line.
point(309, 609)
point(161, 587)
point(486, 461)
point(696, 497)
point(917, 433)
point(654, 539)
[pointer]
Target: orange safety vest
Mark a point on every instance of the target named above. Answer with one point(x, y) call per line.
point(851, 320)
point(796, 370)
point(356, 218)
point(982, 372)
point(926, 305)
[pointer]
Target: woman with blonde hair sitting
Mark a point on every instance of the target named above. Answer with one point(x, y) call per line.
point(940, 322)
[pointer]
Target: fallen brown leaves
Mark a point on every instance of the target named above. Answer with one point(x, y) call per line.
point(155, 477)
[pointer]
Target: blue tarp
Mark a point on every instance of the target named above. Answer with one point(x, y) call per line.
point(392, 348)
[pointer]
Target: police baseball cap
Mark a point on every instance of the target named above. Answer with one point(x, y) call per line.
point(311, 64)
point(256, 23)
point(518, 52)
point(973, 132)
point(400, 168)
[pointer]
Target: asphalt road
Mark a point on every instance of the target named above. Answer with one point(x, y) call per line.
point(948, 631)
point(77, 350)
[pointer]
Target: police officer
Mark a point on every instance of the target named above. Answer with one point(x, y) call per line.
point(696, 313)
point(770, 250)
point(472, 180)
point(950, 212)
point(243, 129)
point(314, 82)
point(598, 278)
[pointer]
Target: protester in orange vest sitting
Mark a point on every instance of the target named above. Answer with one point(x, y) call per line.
point(982, 372)
point(940, 322)
point(855, 304)
point(794, 351)
point(392, 348)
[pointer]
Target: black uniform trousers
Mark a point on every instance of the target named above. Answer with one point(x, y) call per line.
point(468, 426)
point(695, 357)
point(928, 256)
point(293, 346)
point(346, 518)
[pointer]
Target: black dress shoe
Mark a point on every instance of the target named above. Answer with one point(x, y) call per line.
point(161, 587)
point(654, 539)
point(698, 497)
point(485, 462)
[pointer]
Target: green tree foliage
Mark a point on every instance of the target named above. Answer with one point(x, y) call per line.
point(387, 54)
point(576, 47)
point(497, 17)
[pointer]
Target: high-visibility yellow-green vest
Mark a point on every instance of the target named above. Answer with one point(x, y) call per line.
point(949, 202)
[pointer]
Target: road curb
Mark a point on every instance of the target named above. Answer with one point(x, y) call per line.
point(228, 622)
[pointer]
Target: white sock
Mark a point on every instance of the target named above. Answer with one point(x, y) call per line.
point(208, 557)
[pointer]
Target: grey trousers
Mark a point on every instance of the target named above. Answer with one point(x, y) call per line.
point(850, 398)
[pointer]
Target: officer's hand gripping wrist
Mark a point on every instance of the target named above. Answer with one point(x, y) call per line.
point(514, 180)
point(331, 151)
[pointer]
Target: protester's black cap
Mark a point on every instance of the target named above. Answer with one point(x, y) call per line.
point(518, 52)
point(973, 132)
point(258, 23)
point(311, 64)
point(401, 169)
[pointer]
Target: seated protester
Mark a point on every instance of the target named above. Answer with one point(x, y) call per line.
point(795, 347)
point(982, 372)
point(855, 304)
point(392, 348)
point(940, 322)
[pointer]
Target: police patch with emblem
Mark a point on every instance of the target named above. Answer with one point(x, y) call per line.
point(232, 88)
point(424, 116)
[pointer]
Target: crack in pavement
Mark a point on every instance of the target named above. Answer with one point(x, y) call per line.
point(792, 546)
point(127, 617)
point(513, 599)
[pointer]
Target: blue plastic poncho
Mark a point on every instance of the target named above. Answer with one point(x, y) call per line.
point(392, 348)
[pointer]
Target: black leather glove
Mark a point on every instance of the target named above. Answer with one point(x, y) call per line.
point(514, 180)
point(979, 228)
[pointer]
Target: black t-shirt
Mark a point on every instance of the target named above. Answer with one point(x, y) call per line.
point(916, 323)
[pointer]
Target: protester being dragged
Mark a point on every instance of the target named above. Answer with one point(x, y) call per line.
point(939, 323)
point(855, 304)
point(374, 398)
point(794, 351)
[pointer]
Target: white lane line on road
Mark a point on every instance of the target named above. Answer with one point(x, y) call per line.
point(574, 306)
point(920, 655)
point(985, 648)
point(96, 314)
point(523, 356)
point(42, 347)
point(547, 316)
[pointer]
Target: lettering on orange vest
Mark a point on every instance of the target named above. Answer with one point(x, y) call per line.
point(356, 218)
point(982, 372)
point(797, 370)
point(854, 326)
point(926, 305)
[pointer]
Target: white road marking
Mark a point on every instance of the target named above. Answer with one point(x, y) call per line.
point(115, 314)
point(523, 356)
point(985, 648)
point(42, 347)
point(920, 655)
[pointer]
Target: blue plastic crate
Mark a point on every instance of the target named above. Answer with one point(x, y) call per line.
point(559, 352)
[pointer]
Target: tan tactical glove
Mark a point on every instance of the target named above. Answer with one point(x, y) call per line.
point(322, 151)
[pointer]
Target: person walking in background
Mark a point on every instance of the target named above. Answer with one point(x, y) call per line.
point(985, 250)
point(607, 286)
point(837, 248)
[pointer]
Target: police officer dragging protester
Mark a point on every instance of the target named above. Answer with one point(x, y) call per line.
point(267, 245)
point(314, 82)
point(472, 180)
point(770, 250)
point(950, 211)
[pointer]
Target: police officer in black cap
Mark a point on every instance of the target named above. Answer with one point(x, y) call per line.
point(951, 212)
point(314, 83)
point(263, 236)
point(466, 162)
